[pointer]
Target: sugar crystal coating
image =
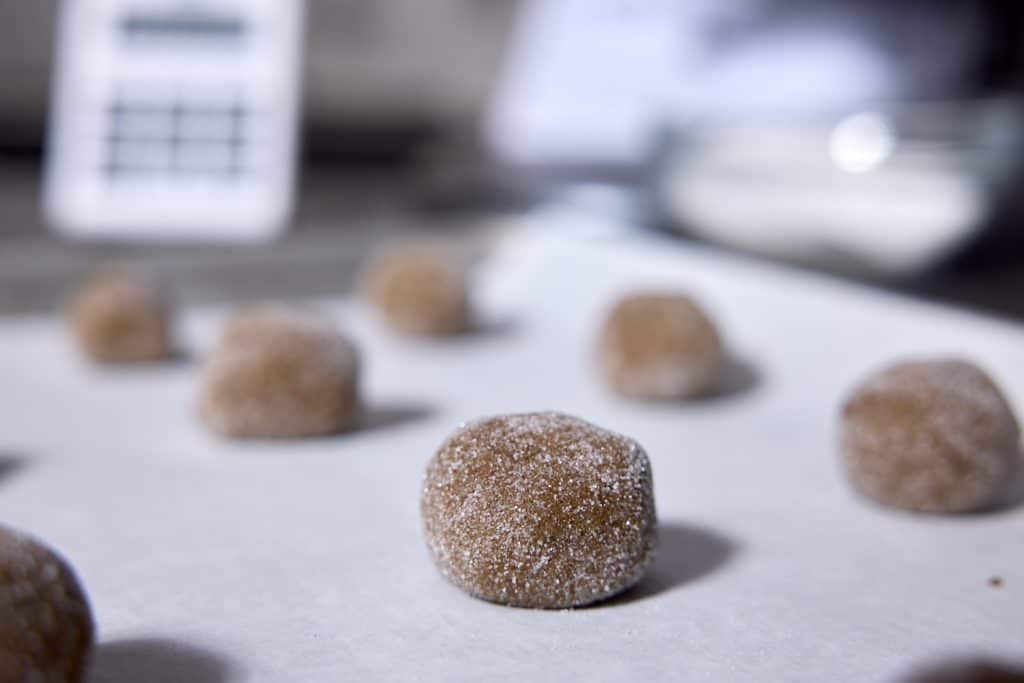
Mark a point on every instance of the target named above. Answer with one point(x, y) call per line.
point(930, 436)
point(539, 510)
point(277, 373)
point(660, 346)
point(120, 318)
point(418, 291)
point(46, 627)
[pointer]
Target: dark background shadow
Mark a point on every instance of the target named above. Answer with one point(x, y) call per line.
point(739, 377)
point(381, 416)
point(159, 660)
point(685, 553)
point(177, 357)
point(978, 668)
point(388, 415)
point(1011, 500)
point(180, 355)
point(10, 463)
point(491, 328)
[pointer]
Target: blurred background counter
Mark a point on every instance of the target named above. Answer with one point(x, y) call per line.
point(874, 140)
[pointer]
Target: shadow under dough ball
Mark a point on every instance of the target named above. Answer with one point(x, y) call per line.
point(279, 373)
point(930, 436)
point(46, 627)
point(120, 318)
point(660, 346)
point(418, 292)
point(539, 510)
point(968, 671)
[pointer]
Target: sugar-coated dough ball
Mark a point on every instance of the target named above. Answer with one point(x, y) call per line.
point(968, 671)
point(930, 436)
point(46, 627)
point(660, 346)
point(120, 318)
point(539, 510)
point(278, 373)
point(418, 291)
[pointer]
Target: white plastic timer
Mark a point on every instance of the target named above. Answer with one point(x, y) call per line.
point(175, 119)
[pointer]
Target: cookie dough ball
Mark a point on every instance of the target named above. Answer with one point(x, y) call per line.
point(539, 510)
point(120, 318)
point(418, 291)
point(930, 436)
point(660, 346)
point(968, 671)
point(46, 628)
point(279, 373)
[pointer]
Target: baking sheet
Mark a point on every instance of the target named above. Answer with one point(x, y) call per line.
point(210, 561)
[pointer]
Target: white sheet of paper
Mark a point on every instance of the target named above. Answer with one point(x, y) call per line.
point(210, 561)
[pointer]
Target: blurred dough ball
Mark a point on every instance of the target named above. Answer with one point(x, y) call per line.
point(120, 318)
point(279, 372)
point(930, 436)
point(46, 626)
point(418, 291)
point(967, 671)
point(660, 346)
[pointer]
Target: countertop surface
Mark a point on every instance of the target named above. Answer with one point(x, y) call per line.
point(342, 214)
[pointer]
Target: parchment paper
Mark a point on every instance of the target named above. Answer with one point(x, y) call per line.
point(210, 561)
